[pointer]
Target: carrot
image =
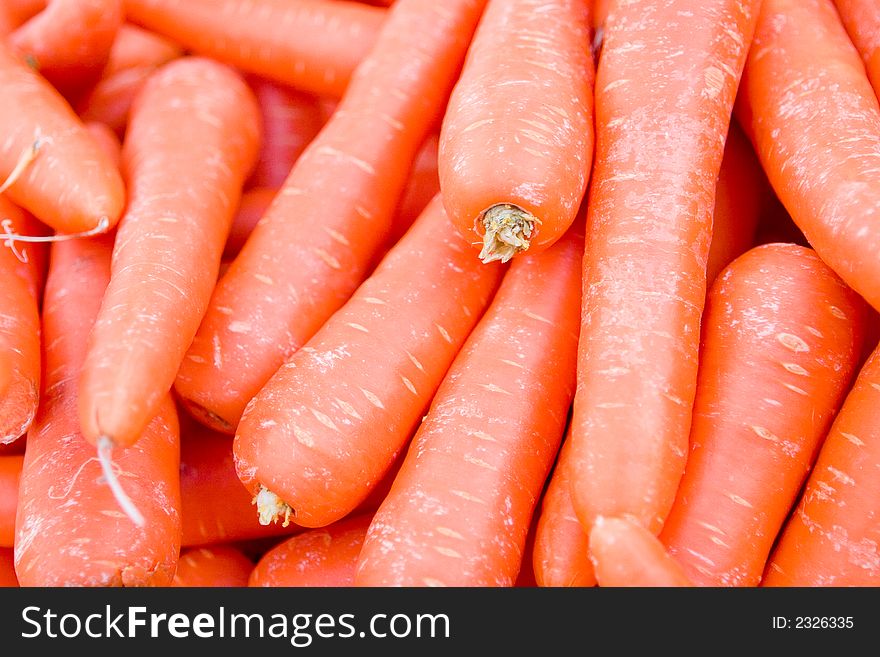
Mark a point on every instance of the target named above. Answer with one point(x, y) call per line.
point(107, 140)
point(625, 553)
point(321, 433)
point(69, 528)
point(319, 557)
point(10, 473)
point(7, 569)
point(290, 121)
point(50, 164)
point(459, 511)
point(253, 204)
point(197, 121)
point(134, 55)
point(561, 555)
point(516, 143)
point(332, 215)
point(812, 115)
point(215, 566)
point(21, 274)
point(21, 10)
point(665, 88)
point(69, 41)
point(311, 45)
point(862, 22)
point(781, 341)
point(832, 537)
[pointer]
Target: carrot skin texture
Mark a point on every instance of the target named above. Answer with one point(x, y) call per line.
point(661, 122)
point(7, 569)
point(332, 215)
point(70, 184)
point(319, 557)
point(195, 120)
point(324, 429)
point(69, 528)
point(332, 38)
point(625, 553)
point(781, 343)
point(10, 474)
point(214, 566)
point(461, 506)
point(862, 22)
point(832, 537)
point(814, 119)
point(518, 128)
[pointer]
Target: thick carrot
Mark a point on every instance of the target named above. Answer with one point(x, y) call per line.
point(561, 555)
point(832, 538)
point(21, 274)
point(665, 87)
point(70, 530)
point(333, 214)
point(516, 144)
point(214, 566)
point(781, 341)
point(134, 55)
point(49, 165)
point(194, 121)
point(861, 19)
point(10, 474)
point(7, 569)
point(460, 508)
point(812, 115)
point(625, 553)
point(69, 42)
point(321, 433)
point(311, 45)
point(319, 557)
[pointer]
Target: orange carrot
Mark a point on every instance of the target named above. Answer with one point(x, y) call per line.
point(69, 528)
point(832, 538)
point(10, 474)
point(320, 434)
point(21, 10)
point(69, 42)
point(781, 341)
point(319, 557)
point(195, 120)
point(107, 140)
point(862, 21)
point(7, 569)
point(332, 215)
point(49, 165)
point(134, 55)
point(311, 45)
point(665, 87)
point(460, 508)
point(625, 553)
point(215, 566)
point(516, 144)
point(809, 108)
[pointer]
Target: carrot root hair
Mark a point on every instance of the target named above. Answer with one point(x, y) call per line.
point(271, 508)
point(507, 231)
point(105, 449)
point(9, 238)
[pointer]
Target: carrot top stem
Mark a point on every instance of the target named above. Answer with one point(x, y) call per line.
point(105, 448)
point(271, 507)
point(508, 229)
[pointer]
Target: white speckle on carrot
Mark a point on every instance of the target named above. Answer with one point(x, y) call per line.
point(855, 440)
point(358, 327)
point(479, 463)
point(793, 342)
point(324, 419)
point(239, 327)
point(761, 432)
point(264, 279)
point(444, 333)
point(794, 368)
point(447, 552)
point(450, 533)
point(373, 399)
point(409, 385)
point(330, 261)
point(375, 301)
point(432, 582)
point(415, 361)
point(491, 387)
point(303, 437)
point(794, 388)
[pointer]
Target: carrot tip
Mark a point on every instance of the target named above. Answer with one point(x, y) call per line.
point(508, 229)
point(271, 508)
point(105, 447)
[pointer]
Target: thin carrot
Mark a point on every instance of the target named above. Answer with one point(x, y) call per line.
point(625, 553)
point(134, 55)
point(781, 342)
point(814, 119)
point(832, 537)
point(332, 215)
point(321, 433)
point(461, 506)
point(861, 19)
point(70, 530)
point(195, 120)
point(7, 569)
point(214, 566)
point(311, 45)
point(69, 41)
point(49, 165)
point(10, 474)
point(319, 557)
point(665, 87)
point(516, 144)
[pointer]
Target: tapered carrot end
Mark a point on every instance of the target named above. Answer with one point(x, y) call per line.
point(507, 231)
point(271, 507)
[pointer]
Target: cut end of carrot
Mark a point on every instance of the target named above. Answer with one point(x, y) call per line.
point(271, 508)
point(508, 229)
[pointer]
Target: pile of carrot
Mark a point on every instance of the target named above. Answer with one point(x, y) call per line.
point(468, 293)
